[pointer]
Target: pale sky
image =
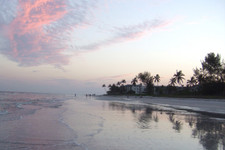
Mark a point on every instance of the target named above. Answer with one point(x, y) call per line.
point(75, 46)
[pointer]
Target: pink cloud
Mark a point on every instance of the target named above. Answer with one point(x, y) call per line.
point(37, 32)
point(38, 29)
point(128, 33)
point(27, 35)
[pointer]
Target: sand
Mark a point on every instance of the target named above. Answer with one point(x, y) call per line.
point(215, 107)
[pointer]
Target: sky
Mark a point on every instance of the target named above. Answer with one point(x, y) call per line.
point(76, 46)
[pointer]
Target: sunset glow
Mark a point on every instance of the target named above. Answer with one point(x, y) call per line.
point(68, 46)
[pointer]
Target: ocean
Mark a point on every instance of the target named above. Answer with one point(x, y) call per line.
point(35, 121)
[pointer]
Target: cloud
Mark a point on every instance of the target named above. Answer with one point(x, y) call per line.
point(114, 77)
point(7, 11)
point(123, 34)
point(34, 71)
point(35, 32)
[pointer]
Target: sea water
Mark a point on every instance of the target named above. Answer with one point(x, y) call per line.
point(48, 121)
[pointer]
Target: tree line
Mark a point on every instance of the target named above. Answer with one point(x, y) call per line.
point(207, 80)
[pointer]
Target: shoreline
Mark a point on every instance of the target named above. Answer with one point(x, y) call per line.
point(191, 96)
point(175, 96)
point(210, 107)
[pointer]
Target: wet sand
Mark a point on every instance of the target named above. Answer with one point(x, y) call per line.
point(213, 107)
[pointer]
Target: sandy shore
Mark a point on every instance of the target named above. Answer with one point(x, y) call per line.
point(212, 107)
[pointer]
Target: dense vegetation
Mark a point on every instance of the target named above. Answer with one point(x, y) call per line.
point(211, 77)
point(207, 80)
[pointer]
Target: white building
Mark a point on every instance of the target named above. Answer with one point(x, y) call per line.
point(138, 89)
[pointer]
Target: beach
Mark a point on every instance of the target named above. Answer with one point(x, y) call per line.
point(47, 122)
point(213, 107)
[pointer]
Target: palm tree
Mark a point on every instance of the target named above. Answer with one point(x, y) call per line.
point(123, 81)
point(172, 82)
point(157, 78)
point(191, 82)
point(134, 81)
point(104, 87)
point(200, 75)
point(179, 76)
point(145, 78)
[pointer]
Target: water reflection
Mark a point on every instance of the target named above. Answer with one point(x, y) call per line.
point(145, 118)
point(209, 131)
point(142, 115)
point(177, 125)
